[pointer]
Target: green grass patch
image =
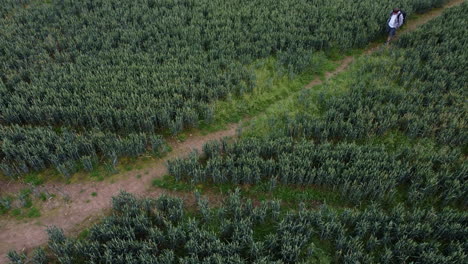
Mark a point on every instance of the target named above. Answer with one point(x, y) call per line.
point(34, 179)
point(181, 137)
point(94, 194)
point(293, 194)
point(286, 193)
point(16, 212)
point(5, 204)
point(396, 140)
point(310, 101)
point(168, 182)
point(22, 204)
point(33, 212)
point(83, 234)
point(96, 174)
point(322, 251)
point(271, 119)
point(264, 229)
point(393, 140)
point(272, 85)
point(25, 198)
point(43, 196)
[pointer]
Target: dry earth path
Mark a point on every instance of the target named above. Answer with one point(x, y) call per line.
point(409, 26)
point(81, 209)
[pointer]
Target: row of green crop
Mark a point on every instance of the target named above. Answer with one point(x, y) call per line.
point(164, 231)
point(28, 149)
point(8, 6)
point(149, 66)
point(359, 173)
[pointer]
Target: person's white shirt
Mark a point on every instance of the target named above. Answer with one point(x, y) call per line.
point(394, 22)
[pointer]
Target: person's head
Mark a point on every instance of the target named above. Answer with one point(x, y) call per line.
point(396, 10)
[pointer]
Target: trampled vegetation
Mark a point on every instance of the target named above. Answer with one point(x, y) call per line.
point(74, 71)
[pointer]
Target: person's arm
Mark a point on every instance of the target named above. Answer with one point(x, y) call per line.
point(400, 20)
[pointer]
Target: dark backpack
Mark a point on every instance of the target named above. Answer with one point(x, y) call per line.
point(402, 13)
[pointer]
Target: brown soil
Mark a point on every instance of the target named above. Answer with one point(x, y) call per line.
point(80, 209)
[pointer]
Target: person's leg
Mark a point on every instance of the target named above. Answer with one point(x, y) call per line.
point(391, 34)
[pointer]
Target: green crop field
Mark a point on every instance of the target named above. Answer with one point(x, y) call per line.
point(370, 166)
point(392, 143)
point(416, 91)
point(163, 231)
point(89, 81)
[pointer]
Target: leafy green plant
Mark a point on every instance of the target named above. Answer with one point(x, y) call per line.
point(5, 204)
point(33, 212)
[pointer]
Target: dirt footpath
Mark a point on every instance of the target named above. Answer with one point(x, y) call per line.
point(82, 208)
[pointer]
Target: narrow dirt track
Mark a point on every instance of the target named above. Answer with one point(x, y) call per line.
point(83, 209)
point(409, 26)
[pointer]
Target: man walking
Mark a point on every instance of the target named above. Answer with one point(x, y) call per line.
point(394, 22)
